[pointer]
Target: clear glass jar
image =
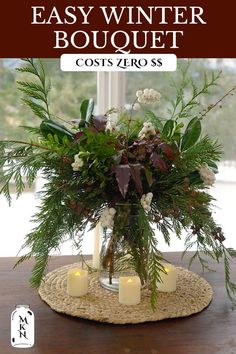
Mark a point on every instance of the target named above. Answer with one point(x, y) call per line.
point(122, 249)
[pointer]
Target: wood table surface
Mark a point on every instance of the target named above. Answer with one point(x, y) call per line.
point(213, 331)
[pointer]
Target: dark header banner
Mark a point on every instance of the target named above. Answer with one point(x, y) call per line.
point(50, 28)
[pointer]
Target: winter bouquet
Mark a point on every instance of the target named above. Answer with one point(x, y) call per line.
point(132, 174)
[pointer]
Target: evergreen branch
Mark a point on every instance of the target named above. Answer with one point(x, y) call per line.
point(33, 130)
point(202, 152)
point(53, 224)
point(29, 144)
point(39, 269)
point(16, 163)
point(187, 106)
point(230, 286)
point(154, 258)
point(22, 259)
point(180, 89)
point(37, 109)
point(215, 250)
point(36, 93)
point(202, 261)
point(32, 86)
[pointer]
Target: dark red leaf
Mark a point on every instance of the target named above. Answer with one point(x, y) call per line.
point(150, 147)
point(92, 130)
point(158, 162)
point(168, 151)
point(123, 177)
point(78, 136)
point(156, 140)
point(138, 143)
point(99, 122)
point(135, 170)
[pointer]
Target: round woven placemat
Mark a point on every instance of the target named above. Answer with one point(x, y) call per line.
point(193, 294)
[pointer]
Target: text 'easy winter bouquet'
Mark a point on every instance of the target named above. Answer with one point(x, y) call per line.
point(130, 174)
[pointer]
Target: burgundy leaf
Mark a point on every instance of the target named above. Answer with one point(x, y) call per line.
point(92, 130)
point(78, 136)
point(150, 147)
point(99, 122)
point(123, 177)
point(158, 162)
point(156, 140)
point(135, 170)
point(138, 143)
point(168, 151)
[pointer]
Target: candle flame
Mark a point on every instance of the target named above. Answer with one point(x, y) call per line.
point(167, 270)
point(78, 274)
point(129, 281)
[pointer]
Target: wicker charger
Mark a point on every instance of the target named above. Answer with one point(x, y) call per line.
point(193, 294)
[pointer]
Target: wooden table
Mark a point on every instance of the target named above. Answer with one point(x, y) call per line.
point(212, 331)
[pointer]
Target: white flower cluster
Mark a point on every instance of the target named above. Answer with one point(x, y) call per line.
point(107, 217)
point(136, 106)
point(146, 201)
point(147, 129)
point(148, 96)
point(207, 175)
point(78, 163)
point(111, 126)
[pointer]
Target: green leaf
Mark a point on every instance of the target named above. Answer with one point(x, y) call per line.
point(149, 177)
point(86, 110)
point(168, 128)
point(179, 127)
point(176, 137)
point(192, 134)
point(49, 126)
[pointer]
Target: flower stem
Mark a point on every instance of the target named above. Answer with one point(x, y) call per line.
point(216, 103)
point(128, 128)
point(111, 264)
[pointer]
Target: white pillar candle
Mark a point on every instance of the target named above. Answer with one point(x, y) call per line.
point(129, 290)
point(96, 247)
point(77, 282)
point(168, 283)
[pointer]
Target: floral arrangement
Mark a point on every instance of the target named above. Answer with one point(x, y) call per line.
point(129, 174)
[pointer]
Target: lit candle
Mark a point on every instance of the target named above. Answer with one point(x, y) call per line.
point(77, 282)
point(168, 283)
point(129, 290)
point(96, 247)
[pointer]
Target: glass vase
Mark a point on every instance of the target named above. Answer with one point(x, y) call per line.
point(123, 248)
